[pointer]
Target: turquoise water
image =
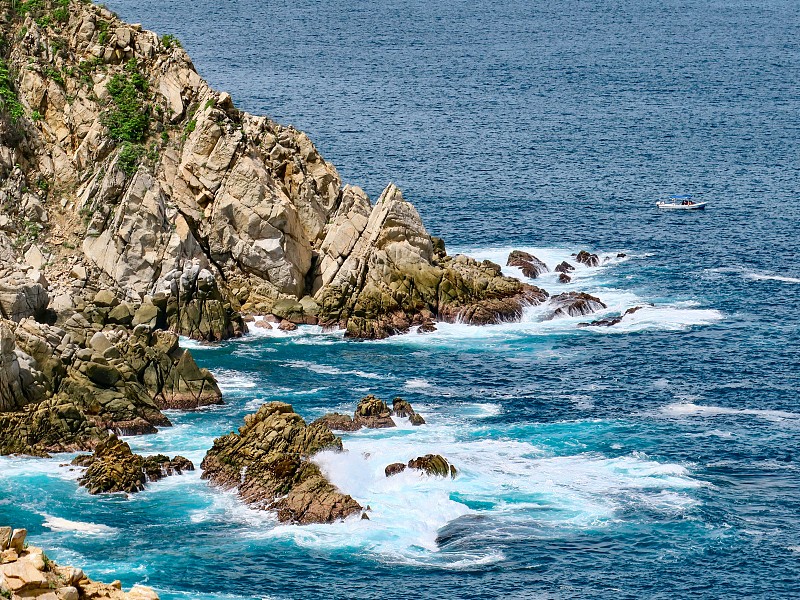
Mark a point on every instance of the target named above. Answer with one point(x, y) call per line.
point(656, 459)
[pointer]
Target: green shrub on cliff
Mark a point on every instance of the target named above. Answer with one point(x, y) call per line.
point(129, 118)
point(9, 103)
point(170, 41)
point(129, 157)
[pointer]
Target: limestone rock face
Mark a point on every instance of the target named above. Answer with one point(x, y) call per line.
point(114, 468)
point(267, 462)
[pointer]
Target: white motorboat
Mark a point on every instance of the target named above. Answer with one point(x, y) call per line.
point(681, 202)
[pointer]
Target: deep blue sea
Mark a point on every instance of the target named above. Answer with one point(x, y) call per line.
point(656, 459)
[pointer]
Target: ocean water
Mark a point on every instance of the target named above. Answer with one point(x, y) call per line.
point(655, 459)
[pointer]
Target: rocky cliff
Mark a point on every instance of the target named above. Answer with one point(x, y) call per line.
point(138, 204)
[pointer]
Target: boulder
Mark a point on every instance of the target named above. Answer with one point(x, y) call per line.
point(564, 267)
point(268, 463)
point(115, 468)
point(402, 408)
point(564, 278)
point(394, 469)
point(338, 422)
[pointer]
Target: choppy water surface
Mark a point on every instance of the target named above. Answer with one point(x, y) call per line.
point(654, 459)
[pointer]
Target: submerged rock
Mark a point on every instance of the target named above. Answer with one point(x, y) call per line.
point(564, 278)
point(115, 468)
point(575, 304)
point(613, 321)
point(268, 463)
point(531, 266)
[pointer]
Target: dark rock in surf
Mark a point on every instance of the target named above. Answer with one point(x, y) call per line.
point(433, 464)
point(531, 266)
point(575, 304)
point(373, 413)
point(394, 469)
point(611, 322)
point(590, 260)
point(564, 278)
point(564, 267)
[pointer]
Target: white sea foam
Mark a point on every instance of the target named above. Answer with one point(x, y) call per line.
point(416, 383)
point(769, 277)
point(511, 481)
point(689, 409)
point(93, 529)
point(331, 370)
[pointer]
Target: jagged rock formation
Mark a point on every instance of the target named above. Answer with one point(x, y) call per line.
point(379, 273)
point(372, 413)
point(268, 464)
point(531, 266)
point(178, 200)
point(114, 468)
point(27, 572)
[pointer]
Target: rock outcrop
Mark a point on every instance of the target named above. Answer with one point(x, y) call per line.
point(27, 572)
point(372, 413)
point(114, 468)
point(268, 463)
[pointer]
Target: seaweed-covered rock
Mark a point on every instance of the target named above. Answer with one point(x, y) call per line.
point(531, 266)
point(433, 464)
point(268, 463)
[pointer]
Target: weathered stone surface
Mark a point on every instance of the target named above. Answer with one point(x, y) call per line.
point(373, 413)
point(267, 462)
point(394, 469)
point(564, 267)
point(394, 275)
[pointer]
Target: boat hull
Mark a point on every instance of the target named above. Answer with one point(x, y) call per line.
point(665, 206)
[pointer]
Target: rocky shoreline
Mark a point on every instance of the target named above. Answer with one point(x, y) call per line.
point(27, 572)
point(138, 205)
